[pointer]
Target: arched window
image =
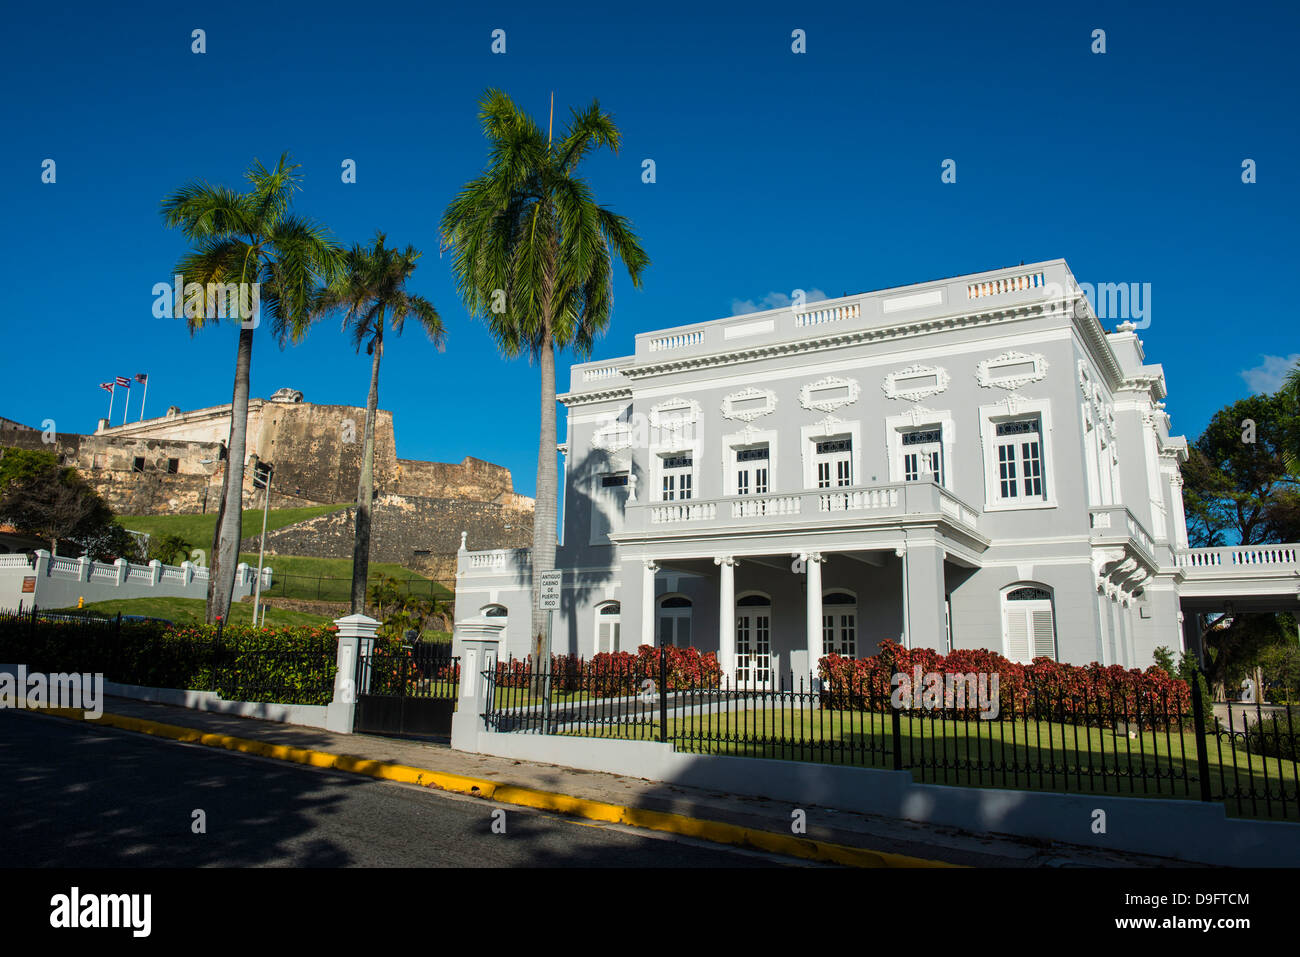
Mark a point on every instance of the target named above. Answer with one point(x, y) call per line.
point(607, 622)
point(1028, 623)
point(839, 624)
point(675, 621)
point(495, 611)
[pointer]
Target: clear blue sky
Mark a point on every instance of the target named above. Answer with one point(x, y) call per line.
point(775, 171)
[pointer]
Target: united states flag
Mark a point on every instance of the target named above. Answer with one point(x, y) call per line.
point(141, 377)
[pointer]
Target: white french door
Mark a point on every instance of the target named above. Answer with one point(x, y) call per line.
point(834, 459)
point(754, 646)
point(923, 456)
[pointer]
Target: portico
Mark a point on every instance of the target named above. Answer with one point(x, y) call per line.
point(771, 609)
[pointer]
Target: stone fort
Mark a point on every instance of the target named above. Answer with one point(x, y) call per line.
point(175, 464)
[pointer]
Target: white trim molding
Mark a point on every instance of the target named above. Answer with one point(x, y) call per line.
point(892, 381)
point(1015, 406)
point(987, 370)
point(896, 425)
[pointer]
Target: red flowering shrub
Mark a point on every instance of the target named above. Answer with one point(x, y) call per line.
point(620, 672)
point(1044, 689)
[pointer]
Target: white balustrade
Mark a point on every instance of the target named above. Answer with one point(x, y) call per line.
point(858, 499)
point(751, 507)
point(1239, 555)
point(817, 317)
point(998, 287)
point(677, 341)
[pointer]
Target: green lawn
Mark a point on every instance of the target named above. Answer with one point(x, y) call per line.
point(190, 611)
point(1039, 757)
point(198, 529)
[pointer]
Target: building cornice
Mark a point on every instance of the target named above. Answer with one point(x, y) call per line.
point(571, 399)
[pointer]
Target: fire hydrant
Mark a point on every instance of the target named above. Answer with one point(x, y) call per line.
point(81, 602)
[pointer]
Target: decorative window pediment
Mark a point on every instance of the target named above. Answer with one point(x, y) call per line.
point(614, 437)
point(916, 382)
point(674, 414)
point(748, 404)
point(829, 394)
point(1011, 370)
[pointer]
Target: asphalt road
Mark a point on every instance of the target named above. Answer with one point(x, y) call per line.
point(72, 795)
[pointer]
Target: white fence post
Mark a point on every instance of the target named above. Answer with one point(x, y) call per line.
point(356, 639)
point(476, 642)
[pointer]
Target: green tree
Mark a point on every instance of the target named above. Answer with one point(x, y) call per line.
point(370, 287)
point(41, 498)
point(533, 251)
point(1237, 488)
point(248, 237)
point(24, 465)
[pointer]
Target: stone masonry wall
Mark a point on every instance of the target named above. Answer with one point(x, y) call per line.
point(420, 533)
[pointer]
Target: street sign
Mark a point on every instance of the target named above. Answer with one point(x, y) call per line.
point(549, 590)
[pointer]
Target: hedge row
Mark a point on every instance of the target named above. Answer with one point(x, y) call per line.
point(1043, 687)
point(280, 665)
point(620, 672)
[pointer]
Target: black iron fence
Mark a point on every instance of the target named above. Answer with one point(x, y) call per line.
point(422, 670)
point(236, 666)
point(1103, 740)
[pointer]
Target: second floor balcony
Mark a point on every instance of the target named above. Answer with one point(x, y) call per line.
point(863, 504)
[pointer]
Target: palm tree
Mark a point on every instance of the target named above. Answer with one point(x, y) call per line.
point(370, 287)
point(532, 252)
point(1291, 441)
point(247, 238)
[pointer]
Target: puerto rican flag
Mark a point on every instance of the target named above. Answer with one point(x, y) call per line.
point(107, 387)
point(124, 382)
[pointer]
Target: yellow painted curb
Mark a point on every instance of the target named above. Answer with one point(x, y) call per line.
point(717, 832)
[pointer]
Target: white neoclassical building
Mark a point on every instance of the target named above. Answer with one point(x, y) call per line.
point(966, 463)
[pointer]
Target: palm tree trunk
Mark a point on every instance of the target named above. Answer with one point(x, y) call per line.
point(544, 511)
point(366, 485)
point(225, 550)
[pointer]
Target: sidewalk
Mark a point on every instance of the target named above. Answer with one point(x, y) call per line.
point(867, 832)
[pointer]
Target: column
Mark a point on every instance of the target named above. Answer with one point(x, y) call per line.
point(923, 584)
point(726, 614)
point(648, 569)
point(813, 561)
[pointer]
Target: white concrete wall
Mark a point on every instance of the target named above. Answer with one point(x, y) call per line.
point(61, 581)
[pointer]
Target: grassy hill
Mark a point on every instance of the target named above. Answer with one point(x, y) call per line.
point(295, 576)
point(189, 611)
point(330, 579)
point(198, 529)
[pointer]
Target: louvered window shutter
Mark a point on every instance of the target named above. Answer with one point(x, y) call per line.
point(1017, 635)
point(1044, 635)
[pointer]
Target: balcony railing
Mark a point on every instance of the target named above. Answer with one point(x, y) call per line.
point(817, 506)
point(1248, 556)
point(1116, 521)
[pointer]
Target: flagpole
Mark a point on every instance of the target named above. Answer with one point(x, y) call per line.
point(126, 406)
point(112, 392)
point(144, 397)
